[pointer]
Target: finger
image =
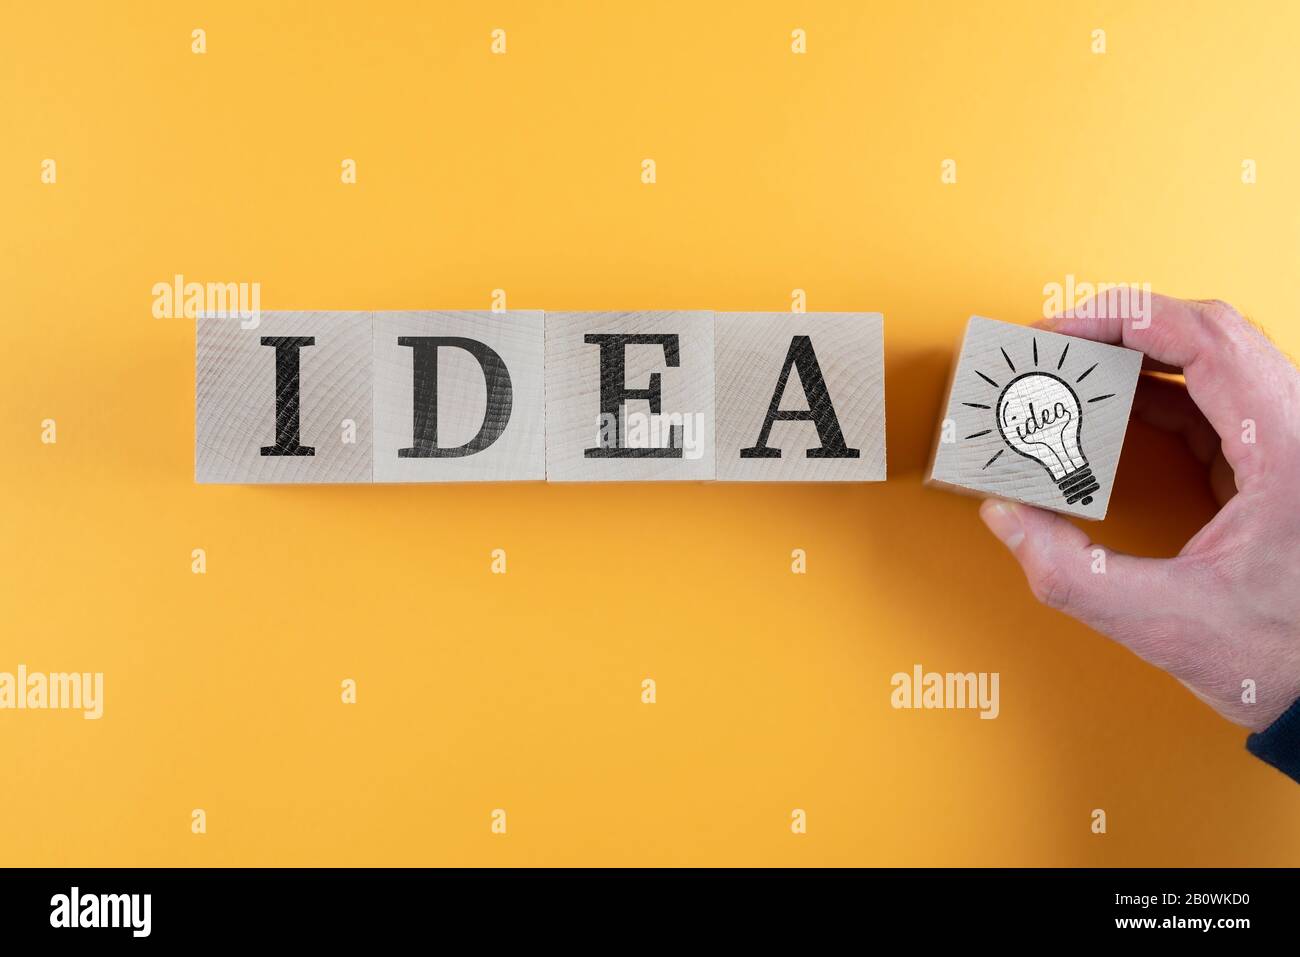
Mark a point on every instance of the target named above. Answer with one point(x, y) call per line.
point(1148, 364)
point(1167, 406)
point(1114, 593)
point(1234, 374)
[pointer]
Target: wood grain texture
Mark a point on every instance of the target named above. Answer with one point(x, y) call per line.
point(669, 353)
point(1035, 417)
point(241, 386)
point(499, 358)
point(762, 354)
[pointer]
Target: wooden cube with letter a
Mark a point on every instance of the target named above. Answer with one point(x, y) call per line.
point(1035, 417)
point(285, 397)
point(800, 397)
point(459, 396)
point(629, 396)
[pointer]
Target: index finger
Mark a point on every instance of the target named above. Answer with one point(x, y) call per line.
point(1234, 374)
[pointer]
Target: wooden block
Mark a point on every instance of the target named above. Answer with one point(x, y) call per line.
point(288, 400)
point(459, 396)
point(629, 396)
point(1035, 417)
point(800, 396)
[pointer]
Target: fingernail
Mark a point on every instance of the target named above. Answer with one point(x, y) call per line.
point(1003, 522)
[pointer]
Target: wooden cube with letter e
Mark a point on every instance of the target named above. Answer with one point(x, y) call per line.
point(629, 396)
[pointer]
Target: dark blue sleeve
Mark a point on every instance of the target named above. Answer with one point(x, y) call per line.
point(1279, 743)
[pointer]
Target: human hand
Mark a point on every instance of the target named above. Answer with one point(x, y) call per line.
point(1226, 610)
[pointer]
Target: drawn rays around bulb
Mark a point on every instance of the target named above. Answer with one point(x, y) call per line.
point(1039, 416)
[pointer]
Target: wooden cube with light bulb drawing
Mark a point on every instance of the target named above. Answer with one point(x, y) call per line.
point(1035, 417)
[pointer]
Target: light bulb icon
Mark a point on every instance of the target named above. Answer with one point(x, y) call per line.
point(1040, 417)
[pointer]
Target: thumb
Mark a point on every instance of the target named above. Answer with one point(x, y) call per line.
point(1116, 594)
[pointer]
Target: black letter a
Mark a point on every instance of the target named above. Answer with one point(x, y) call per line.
point(820, 411)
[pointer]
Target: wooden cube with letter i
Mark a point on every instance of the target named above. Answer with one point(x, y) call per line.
point(1035, 417)
point(284, 397)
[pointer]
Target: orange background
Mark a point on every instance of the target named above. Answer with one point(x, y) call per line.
point(522, 171)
